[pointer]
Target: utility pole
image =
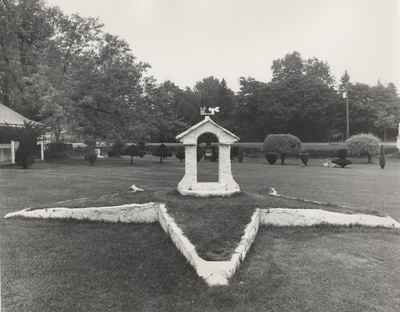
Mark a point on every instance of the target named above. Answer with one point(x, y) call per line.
point(344, 87)
point(345, 96)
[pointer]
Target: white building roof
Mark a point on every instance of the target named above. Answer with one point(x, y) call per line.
point(8, 117)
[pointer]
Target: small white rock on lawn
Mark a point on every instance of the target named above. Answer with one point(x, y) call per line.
point(133, 188)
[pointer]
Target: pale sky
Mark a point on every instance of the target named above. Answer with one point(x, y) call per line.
point(187, 40)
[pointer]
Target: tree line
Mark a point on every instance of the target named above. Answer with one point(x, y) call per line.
point(83, 83)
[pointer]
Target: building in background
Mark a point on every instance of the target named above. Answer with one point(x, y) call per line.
point(10, 118)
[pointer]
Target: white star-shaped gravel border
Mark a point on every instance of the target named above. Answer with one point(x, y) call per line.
point(213, 272)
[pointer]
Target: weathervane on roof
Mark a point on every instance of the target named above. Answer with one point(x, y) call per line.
point(208, 111)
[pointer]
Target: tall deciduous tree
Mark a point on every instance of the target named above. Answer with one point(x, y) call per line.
point(106, 92)
point(25, 33)
point(252, 120)
point(165, 116)
point(303, 90)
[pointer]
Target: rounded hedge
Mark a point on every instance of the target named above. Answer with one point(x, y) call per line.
point(363, 145)
point(282, 144)
point(91, 156)
point(161, 151)
point(116, 149)
point(133, 150)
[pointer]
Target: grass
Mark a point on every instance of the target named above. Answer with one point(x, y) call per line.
point(84, 266)
point(323, 269)
point(214, 225)
point(79, 266)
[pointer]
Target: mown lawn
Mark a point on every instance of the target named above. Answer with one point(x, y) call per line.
point(321, 269)
point(83, 266)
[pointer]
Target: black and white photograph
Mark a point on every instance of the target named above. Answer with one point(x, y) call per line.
point(199, 155)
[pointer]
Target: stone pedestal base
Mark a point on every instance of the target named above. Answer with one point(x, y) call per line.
point(206, 189)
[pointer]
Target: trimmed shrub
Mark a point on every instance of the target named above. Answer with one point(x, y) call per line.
point(116, 149)
point(283, 144)
point(271, 157)
point(91, 156)
point(363, 145)
point(133, 151)
point(25, 154)
point(162, 151)
point(304, 158)
point(180, 153)
point(382, 159)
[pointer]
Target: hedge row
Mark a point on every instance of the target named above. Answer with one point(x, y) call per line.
point(241, 149)
point(255, 149)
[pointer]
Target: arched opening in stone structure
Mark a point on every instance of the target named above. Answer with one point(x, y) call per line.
point(207, 158)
